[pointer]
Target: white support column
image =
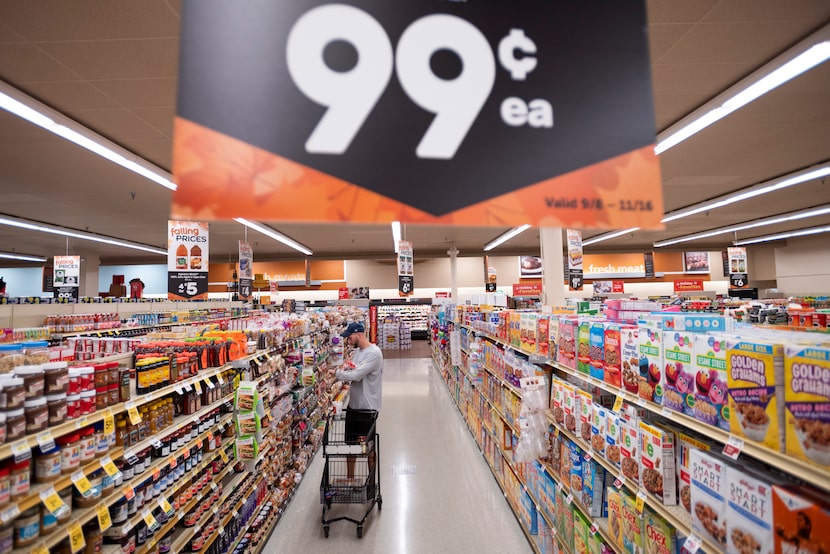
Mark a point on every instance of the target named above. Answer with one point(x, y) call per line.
point(89, 274)
point(554, 271)
point(453, 253)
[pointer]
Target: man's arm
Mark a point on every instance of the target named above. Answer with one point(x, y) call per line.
point(371, 362)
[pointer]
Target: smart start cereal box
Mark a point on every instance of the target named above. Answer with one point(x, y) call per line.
point(709, 403)
point(648, 370)
point(807, 401)
point(657, 457)
point(755, 380)
point(678, 349)
point(802, 521)
point(748, 513)
point(708, 495)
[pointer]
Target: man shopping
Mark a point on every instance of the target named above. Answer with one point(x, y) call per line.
point(367, 372)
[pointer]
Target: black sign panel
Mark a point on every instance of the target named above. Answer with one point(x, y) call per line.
point(738, 280)
point(575, 279)
point(245, 288)
point(648, 263)
point(187, 284)
point(490, 287)
point(725, 259)
point(406, 284)
point(67, 293)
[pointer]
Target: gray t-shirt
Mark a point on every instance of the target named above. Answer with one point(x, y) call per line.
point(366, 378)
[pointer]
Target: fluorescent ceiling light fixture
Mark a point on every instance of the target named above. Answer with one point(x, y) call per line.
point(37, 113)
point(783, 218)
point(396, 235)
point(802, 57)
point(796, 178)
point(506, 236)
point(274, 234)
point(783, 236)
point(21, 257)
point(83, 235)
point(607, 236)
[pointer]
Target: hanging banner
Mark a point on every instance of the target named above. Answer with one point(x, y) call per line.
point(574, 259)
point(273, 288)
point(373, 323)
point(738, 276)
point(66, 281)
point(688, 285)
point(420, 112)
point(492, 279)
point(187, 260)
point(406, 268)
point(527, 289)
point(246, 271)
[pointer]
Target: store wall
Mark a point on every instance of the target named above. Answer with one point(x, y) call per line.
point(803, 266)
point(154, 277)
point(23, 281)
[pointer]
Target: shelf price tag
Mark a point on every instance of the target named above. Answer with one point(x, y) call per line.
point(618, 402)
point(569, 499)
point(594, 528)
point(76, 537)
point(223, 455)
point(198, 386)
point(588, 456)
point(165, 506)
point(53, 501)
point(219, 378)
point(215, 510)
point(619, 481)
point(188, 387)
point(129, 493)
point(109, 422)
point(45, 441)
point(82, 483)
point(213, 486)
point(180, 515)
point(40, 548)
point(149, 519)
point(641, 500)
point(21, 451)
point(126, 528)
point(132, 411)
point(733, 447)
point(667, 412)
point(9, 514)
point(104, 519)
point(178, 389)
point(209, 383)
point(692, 544)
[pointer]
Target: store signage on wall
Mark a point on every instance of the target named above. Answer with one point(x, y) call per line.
point(688, 285)
point(695, 262)
point(609, 287)
point(359, 293)
point(373, 323)
point(66, 278)
point(648, 265)
point(492, 279)
point(406, 268)
point(274, 288)
point(738, 276)
point(443, 294)
point(530, 267)
point(527, 289)
point(417, 111)
point(343, 293)
point(574, 247)
point(187, 260)
point(246, 270)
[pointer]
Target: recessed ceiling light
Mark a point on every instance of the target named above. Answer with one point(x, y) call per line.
point(21, 257)
point(783, 236)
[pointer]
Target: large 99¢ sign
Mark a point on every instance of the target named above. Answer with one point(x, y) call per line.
point(424, 111)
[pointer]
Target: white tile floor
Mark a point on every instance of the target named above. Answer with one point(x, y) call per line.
point(440, 498)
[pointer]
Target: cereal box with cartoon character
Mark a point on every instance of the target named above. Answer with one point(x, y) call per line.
point(708, 475)
point(807, 400)
point(649, 368)
point(710, 403)
point(678, 350)
point(802, 520)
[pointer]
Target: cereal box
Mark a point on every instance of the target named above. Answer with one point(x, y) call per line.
point(649, 367)
point(632, 526)
point(629, 446)
point(575, 479)
point(581, 533)
point(615, 514)
point(748, 513)
point(596, 544)
point(678, 349)
point(565, 460)
point(593, 489)
point(802, 521)
point(612, 438)
point(685, 444)
point(566, 351)
point(543, 335)
point(565, 521)
point(629, 337)
point(807, 400)
point(598, 429)
point(553, 336)
point(569, 406)
point(710, 401)
point(583, 347)
point(658, 536)
point(612, 358)
point(597, 350)
point(585, 414)
point(657, 454)
point(557, 402)
point(708, 474)
point(755, 380)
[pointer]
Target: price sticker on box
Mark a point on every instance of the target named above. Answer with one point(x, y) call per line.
point(9, 514)
point(618, 403)
point(692, 544)
point(81, 483)
point(53, 502)
point(129, 493)
point(132, 411)
point(641, 500)
point(21, 451)
point(104, 519)
point(76, 537)
point(733, 447)
point(45, 441)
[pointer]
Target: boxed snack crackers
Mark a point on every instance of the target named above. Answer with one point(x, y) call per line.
point(598, 429)
point(632, 526)
point(748, 513)
point(658, 536)
point(685, 445)
point(613, 357)
point(615, 514)
point(807, 400)
point(566, 351)
point(708, 474)
point(597, 350)
point(755, 380)
point(710, 401)
point(585, 414)
point(629, 444)
point(802, 521)
point(657, 462)
point(581, 533)
point(593, 489)
point(649, 366)
point(612, 437)
point(583, 347)
point(678, 349)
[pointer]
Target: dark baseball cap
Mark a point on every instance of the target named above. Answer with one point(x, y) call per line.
point(353, 328)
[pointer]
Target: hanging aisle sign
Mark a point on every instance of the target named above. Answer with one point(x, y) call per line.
point(575, 276)
point(67, 278)
point(462, 113)
point(246, 270)
point(406, 268)
point(738, 275)
point(187, 260)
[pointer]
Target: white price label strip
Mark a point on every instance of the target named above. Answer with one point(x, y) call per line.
point(45, 441)
point(21, 451)
point(733, 447)
point(692, 544)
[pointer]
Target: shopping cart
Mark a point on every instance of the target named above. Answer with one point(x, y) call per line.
point(350, 476)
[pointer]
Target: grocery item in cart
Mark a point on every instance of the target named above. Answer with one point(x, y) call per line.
point(807, 399)
point(710, 403)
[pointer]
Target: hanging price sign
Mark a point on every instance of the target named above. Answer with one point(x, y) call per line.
point(53, 501)
point(76, 537)
point(81, 483)
point(104, 520)
point(132, 411)
point(109, 422)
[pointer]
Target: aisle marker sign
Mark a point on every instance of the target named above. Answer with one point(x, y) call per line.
point(188, 255)
point(246, 270)
point(574, 246)
point(461, 113)
point(406, 268)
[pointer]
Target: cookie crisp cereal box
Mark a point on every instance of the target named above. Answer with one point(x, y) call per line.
point(807, 400)
point(709, 403)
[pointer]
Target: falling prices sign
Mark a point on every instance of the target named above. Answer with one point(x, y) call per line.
point(575, 276)
point(246, 270)
point(187, 260)
point(461, 113)
point(406, 268)
point(738, 276)
point(67, 278)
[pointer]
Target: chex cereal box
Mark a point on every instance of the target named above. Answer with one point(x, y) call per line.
point(597, 350)
point(566, 348)
point(708, 475)
point(685, 445)
point(585, 414)
point(581, 533)
point(755, 381)
point(678, 349)
point(659, 537)
point(583, 347)
point(615, 514)
point(807, 400)
point(748, 513)
point(612, 437)
point(802, 520)
point(632, 526)
point(649, 367)
point(657, 457)
point(598, 429)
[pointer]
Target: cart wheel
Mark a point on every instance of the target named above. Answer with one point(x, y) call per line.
point(326, 530)
point(359, 531)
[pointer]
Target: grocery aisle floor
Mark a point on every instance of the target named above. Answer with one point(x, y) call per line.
point(438, 493)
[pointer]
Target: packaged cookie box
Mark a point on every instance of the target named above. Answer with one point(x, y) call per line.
point(557, 401)
point(659, 537)
point(755, 382)
point(581, 533)
point(632, 529)
point(612, 438)
point(686, 443)
point(597, 350)
point(593, 489)
point(708, 495)
point(599, 416)
point(749, 512)
point(657, 457)
point(629, 449)
point(678, 350)
point(802, 520)
point(566, 348)
point(649, 366)
point(710, 403)
point(807, 401)
point(585, 414)
point(583, 346)
point(569, 406)
point(614, 498)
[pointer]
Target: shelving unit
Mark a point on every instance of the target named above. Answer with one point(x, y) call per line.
point(416, 315)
